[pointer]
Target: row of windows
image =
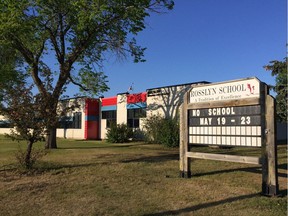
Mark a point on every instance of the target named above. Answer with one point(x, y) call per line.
point(65, 122)
point(75, 121)
point(133, 116)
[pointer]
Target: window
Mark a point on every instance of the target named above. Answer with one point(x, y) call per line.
point(74, 121)
point(110, 117)
point(77, 117)
point(65, 122)
point(5, 124)
point(111, 114)
point(133, 116)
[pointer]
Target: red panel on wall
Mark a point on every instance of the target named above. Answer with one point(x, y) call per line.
point(91, 119)
point(109, 101)
point(136, 98)
point(91, 107)
point(91, 128)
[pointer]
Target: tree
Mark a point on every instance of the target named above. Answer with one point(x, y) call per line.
point(24, 114)
point(279, 70)
point(78, 33)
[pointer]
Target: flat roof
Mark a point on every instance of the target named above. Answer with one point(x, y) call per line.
point(192, 83)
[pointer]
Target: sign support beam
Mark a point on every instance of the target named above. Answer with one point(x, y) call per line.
point(270, 185)
point(185, 162)
point(224, 157)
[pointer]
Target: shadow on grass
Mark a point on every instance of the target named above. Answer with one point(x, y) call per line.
point(246, 169)
point(43, 167)
point(96, 147)
point(205, 205)
point(102, 159)
point(154, 158)
point(105, 145)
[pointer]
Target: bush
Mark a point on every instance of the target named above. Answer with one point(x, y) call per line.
point(163, 131)
point(119, 133)
point(151, 127)
point(169, 135)
point(34, 156)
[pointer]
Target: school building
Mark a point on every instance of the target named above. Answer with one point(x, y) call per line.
point(95, 115)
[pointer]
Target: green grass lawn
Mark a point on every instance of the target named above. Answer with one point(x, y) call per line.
point(98, 178)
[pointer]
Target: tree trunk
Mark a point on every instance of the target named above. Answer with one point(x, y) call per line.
point(28, 162)
point(51, 139)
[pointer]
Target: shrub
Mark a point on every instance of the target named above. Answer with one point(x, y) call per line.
point(169, 134)
point(162, 130)
point(34, 156)
point(138, 135)
point(119, 133)
point(151, 127)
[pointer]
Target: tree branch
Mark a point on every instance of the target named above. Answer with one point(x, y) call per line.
point(55, 44)
point(33, 62)
point(78, 84)
point(27, 54)
point(62, 38)
point(39, 53)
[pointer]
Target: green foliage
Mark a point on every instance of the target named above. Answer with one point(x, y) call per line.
point(169, 135)
point(162, 130)
point(10, 76)
point(119, 133)
point(279, 70)
point(76, 32)
point(92, 81)
point(24, 113)
point(151, 128)
point(79, 34)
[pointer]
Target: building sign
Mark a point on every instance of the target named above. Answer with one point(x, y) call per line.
point(241, 89)
point(233, 113)
point(226, 125)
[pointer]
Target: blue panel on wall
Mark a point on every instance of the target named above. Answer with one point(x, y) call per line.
point(108, 108)
point(136, 105)
point(91, 118)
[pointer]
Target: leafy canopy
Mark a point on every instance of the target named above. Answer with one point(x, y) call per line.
point(279, 70)
point(78, 33)
point(9, 62)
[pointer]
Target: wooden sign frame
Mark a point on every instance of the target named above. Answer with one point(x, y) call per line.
point(268, 158)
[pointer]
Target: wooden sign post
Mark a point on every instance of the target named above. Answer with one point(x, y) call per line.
point(234, 113)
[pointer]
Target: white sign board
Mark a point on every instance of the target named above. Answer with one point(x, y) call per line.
point(235, 90)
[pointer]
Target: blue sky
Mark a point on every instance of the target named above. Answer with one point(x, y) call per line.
point(205, 40)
